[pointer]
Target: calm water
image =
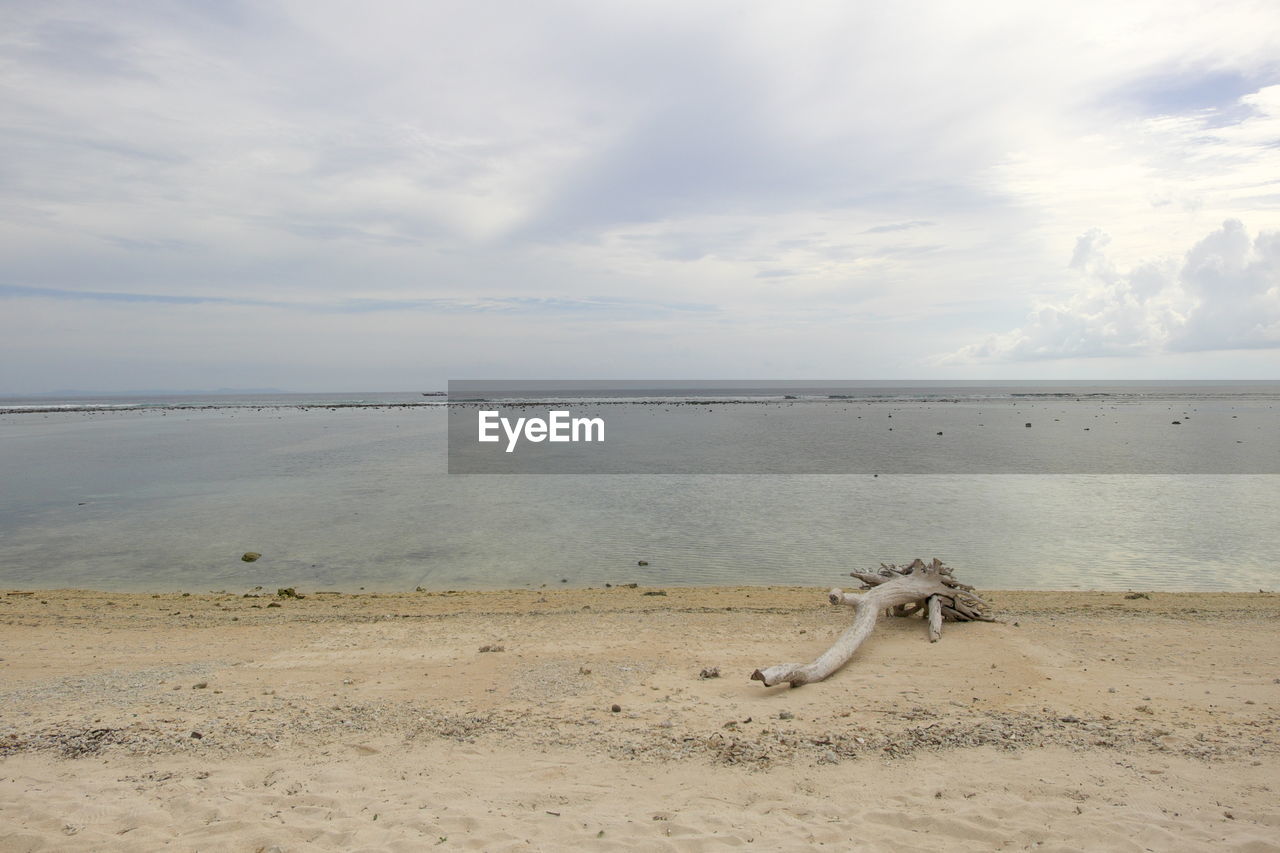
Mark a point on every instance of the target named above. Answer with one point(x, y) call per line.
point(168, 498)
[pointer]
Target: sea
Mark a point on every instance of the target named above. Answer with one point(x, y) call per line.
point(1016, 485)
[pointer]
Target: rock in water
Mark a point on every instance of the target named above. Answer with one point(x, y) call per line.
point(250, 556)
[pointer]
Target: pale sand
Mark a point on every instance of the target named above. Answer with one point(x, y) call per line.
point(374, 722)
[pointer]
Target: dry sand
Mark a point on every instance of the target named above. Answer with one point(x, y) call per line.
point(375, 722)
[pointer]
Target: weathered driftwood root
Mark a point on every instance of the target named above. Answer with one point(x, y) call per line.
point(925, 588)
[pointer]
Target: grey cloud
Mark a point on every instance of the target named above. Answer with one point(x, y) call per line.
point(678, 162)
point(326, 231)
point(897, 197)
point(691, 244)
point(68, 46)
point(515, 305)
point(898, 226)
point(904, 251)
point(145, 245)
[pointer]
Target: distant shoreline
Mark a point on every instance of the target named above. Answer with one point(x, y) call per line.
point(658, 392)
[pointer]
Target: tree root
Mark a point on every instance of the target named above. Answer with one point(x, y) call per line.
point(923, 588)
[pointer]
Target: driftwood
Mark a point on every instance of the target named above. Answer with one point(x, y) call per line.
point(928, 589)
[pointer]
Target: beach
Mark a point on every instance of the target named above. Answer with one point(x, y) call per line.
point(582, 718)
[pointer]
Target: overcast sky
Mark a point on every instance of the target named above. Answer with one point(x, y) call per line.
point(338, 196)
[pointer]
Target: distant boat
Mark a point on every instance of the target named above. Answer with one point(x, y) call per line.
point(435, 393)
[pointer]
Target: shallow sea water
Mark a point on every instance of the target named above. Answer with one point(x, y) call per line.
point(168, 499)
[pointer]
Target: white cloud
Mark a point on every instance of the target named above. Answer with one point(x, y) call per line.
point(1224, 295)
point(1157, 181)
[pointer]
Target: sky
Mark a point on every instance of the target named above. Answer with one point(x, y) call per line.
point(324, 196)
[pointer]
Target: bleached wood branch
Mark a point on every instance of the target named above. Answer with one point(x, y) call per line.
point(898, 591)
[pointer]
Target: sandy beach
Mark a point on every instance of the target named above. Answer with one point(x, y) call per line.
point(487, 721)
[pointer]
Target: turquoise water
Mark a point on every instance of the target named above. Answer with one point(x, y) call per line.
point(350, 498)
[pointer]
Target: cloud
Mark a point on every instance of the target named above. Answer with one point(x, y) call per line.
point(1224, 295)
point(898, 226)
point(514, 305)
point(840, 177)
point(1236, 285)
point(1183, 90)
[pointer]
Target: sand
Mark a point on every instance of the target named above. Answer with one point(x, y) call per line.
point(1081, 721)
